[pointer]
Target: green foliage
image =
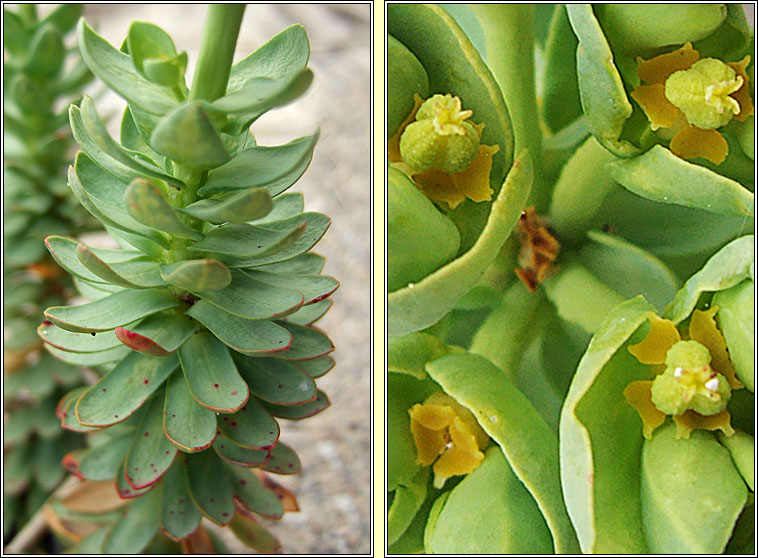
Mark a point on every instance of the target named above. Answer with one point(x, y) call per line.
point(636, 227)
point(40, 72)
point(213, 295)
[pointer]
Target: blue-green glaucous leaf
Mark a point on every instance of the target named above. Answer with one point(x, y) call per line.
point(188, 136)
point(416, 307)
point(405, 76)
point(197, 275)
point(239, 207)
point(420, 239)
point(259, 166)
point(146, 40)
point(601, 90)
point(116, 69)
point(638, 28)
point(261, 94)
point(691, 493)
point(166, 71)
point(111, 312)
point(661, 176)
point(146, 205)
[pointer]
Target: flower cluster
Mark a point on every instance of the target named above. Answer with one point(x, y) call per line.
point(688, 98)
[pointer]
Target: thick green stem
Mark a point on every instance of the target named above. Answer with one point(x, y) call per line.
point(509, 32)
point(222, 26)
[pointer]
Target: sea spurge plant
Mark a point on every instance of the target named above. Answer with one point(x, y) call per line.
point(40, 72)
point(204, 317)
point(620, 293)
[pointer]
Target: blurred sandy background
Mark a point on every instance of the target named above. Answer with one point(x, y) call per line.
point(334, 489)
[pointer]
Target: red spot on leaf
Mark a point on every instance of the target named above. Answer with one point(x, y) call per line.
point(234, 392)
point(47, 322)
point(146, 433)
point(215, 385)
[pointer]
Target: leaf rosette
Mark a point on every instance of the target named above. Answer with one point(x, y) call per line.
point(202, 324)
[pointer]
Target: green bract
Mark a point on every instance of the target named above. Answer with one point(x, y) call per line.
point(216, 289)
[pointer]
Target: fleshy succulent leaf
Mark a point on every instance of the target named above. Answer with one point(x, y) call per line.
point(76, 342)
point(246, 205)
point(187, 136)
point(307, 343)
point(315, 367)
point(116, 69)
point(285, 206)
point(166, 71)
point(310, 314)
point(197, 275)
point(248, 241)
point(179, 517)
point(249, 337)
point(316, 225)
point(251, 427)
point(89, 359)
point(283, 461)
point(151, 453)
point(277, 381)
point(237, 455)
point(313, 287)
point(112, 311)
point(101, 269)
point(250, 491)
point(124, 389)
point(146, 40)
point(261, 167)
point(249, 298)
point(211, 374)
point(159, 335)
point(134, 531)
point(102, 462)
point(299, 412)
point(65, 411)
point(254, 535)
point(124, 489)
point(210, 487)
point(261, 94)
point(146, 205)
point(186, 423)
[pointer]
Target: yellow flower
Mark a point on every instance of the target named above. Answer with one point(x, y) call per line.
point(696, 383)
point(447, 435)
point(452, 188)
point(689, 98)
